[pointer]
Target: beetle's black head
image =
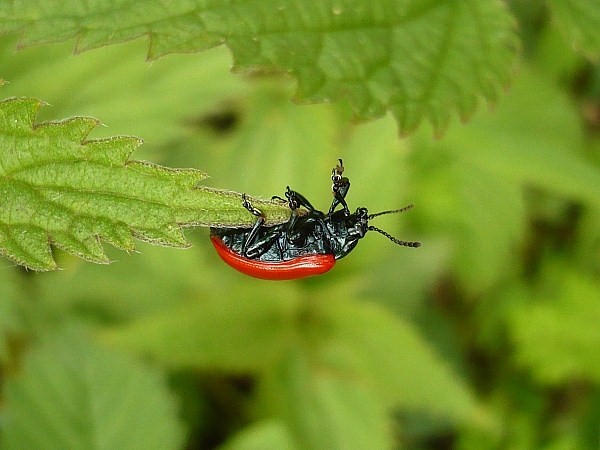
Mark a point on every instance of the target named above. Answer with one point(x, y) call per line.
point(349, 229)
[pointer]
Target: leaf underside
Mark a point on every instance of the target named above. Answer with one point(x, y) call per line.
point(419, 59)
point(57, 188)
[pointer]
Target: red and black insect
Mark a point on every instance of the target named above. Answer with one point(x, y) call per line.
point(308, 244)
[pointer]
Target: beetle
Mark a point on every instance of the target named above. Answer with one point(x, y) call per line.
point(309, 243)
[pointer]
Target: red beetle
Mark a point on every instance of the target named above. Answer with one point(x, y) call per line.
point(308, 244)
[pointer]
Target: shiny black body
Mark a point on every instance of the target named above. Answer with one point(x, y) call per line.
point(336, 232)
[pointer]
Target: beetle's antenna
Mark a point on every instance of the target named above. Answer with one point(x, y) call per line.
point(393, 211)
point(393, 239)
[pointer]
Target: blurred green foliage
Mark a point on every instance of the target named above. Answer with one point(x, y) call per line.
point(485, 338)
point(418, 60)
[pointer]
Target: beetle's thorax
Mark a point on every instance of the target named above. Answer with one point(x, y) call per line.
point(345, 230)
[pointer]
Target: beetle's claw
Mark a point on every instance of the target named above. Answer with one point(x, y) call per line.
point(291, 198)
point(246, 204)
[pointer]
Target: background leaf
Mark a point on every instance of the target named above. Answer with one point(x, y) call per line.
point(323, 408)
point(73, 394)
point(532, 141)
point(559, 337)
point(363, 52)
point(395, 360)
point(319, 367)
point(231, 335)
point(267, 435)
point(132, 97)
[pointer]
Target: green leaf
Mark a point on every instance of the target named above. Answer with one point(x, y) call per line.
point(390, 353)
point(534, 138)
point(326, 408)
point(266, 435)
point(352, 364)
point(330, 369)
point(226, 334)
point(59, 188)
point(419, 59)
point(579, 20)
point(472, 182)
point(73, 394)
point(472, 205)
point(555, 326)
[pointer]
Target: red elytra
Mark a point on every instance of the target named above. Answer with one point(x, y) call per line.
point(292, 269)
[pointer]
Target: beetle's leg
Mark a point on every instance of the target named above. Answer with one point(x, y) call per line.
point(339, 187)
point(296, 200)
point(277, 197)
point(259, 223)
point(295, 229)
point(246, 204)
